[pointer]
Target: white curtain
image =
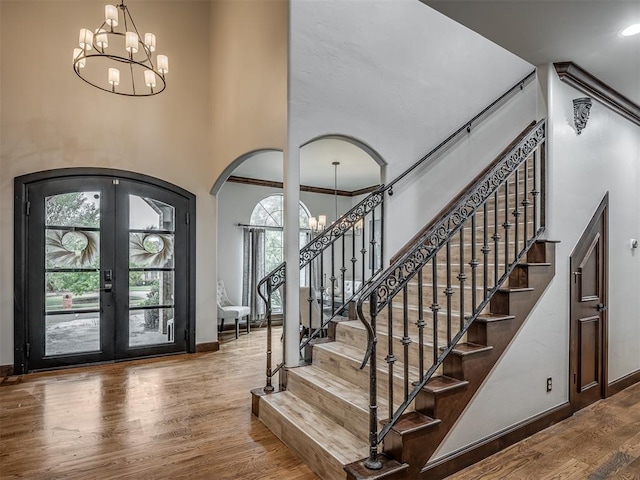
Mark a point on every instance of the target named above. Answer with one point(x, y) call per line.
point(253, 262)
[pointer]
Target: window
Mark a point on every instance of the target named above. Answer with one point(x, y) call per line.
point(269, 213)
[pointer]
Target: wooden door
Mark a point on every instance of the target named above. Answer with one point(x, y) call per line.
point(587, 355)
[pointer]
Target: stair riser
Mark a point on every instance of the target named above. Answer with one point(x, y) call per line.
point(349, 370)
point(354, 418)
point(326, 466)
point(357, 337)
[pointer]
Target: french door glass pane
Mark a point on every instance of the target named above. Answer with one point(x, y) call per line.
point(72, 333)
point(151, 326)
point(151, 274)
point(72, 278)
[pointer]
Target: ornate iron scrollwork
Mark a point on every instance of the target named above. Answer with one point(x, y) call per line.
point(431, 241)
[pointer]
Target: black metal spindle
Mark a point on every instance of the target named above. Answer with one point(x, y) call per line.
point(373, 462)
point(343, 270)
point(372, 244)
point(390, 358)
point(496, 238)
point(333, 278)
point(420, 323)
point(363, 250)
point(269, 387)
point(526, 202)
point(506, 225)
point(449, 293)
point(435, 307)
point(516, 215)
point(406, 341)
point(474, 265)
point(486, 249)
point(461, 278)
point(353, 259)
point(535, 192)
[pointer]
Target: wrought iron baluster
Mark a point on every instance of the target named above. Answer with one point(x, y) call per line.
point(353, 260)
point(269, 387)
point(449, 293)
point(372, 242)
point(486, 249)
point(406, 341)
point(474, 265)
point(390, 358)
point(343, 270)
point(506, 225)
point(461, 278)
point(516, 214)
point(526, 202)
point(333, 278)
point(496, 238)
point(435, 307)
point(363, 251)
point(373, 462)
point(535, 192)
point(420, 323)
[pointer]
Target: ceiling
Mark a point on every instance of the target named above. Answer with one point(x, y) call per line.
point(357, 168)
point(585, 32)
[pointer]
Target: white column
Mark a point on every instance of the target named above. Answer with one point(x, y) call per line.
point(292, 254)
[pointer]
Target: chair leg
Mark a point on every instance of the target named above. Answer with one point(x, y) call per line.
point(221, 327)
point(237, 327)
point(248, 325)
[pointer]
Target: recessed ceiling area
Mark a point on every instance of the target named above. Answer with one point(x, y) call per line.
point(357, 169)
point(585, 32)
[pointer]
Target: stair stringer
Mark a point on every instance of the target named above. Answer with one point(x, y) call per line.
point(512, 305)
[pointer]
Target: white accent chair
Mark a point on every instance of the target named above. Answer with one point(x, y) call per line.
point(228, 311)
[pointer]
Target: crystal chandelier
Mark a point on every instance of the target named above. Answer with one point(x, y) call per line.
point(107, 50)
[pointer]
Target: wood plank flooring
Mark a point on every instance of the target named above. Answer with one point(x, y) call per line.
point(189, 416)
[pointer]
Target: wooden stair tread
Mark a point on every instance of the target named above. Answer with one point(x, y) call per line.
point(464, 349)
point(335, 440)
point(413, 422)
point(493, 317)
point(515, 289)
point(442, 383)
point(344, 389)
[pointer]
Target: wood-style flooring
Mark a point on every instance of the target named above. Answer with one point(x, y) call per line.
point(189, 416)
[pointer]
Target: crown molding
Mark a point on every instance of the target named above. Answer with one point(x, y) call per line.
point(582, 80)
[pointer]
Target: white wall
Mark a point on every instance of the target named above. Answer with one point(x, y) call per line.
point(400, 77)
point(581, 169)
point(235, 204)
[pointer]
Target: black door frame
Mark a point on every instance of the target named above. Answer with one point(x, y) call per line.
point(601, 211)
point(21, 183)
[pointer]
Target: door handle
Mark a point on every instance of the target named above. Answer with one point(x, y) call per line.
point(601, 307)
point(107, 288)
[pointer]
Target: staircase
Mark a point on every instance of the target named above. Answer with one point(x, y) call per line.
point(441, 325)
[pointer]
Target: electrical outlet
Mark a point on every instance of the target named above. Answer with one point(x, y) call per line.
point(549, 384)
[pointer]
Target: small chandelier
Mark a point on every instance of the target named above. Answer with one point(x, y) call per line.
point(106, 48)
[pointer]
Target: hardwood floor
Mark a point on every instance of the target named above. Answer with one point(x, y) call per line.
point(190, 417)
point(601, 441)
point(171, 417)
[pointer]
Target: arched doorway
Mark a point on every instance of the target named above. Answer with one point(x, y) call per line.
point(104, 268)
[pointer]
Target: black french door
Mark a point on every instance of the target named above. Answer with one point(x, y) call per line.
point(106, 271)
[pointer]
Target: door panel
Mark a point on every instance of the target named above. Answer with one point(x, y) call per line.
point(588, 313)
point(104, 259)
point(70, 319)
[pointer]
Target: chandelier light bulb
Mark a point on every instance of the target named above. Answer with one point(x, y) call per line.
point(78, 60)
point(322, 221)
point(102, 39)
point(149, 78)
point(111, 15)
point(313, 223)
point(163, 64)
point(86, 39)
point(150, 41)
point(131, 42)
point(114, 77)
